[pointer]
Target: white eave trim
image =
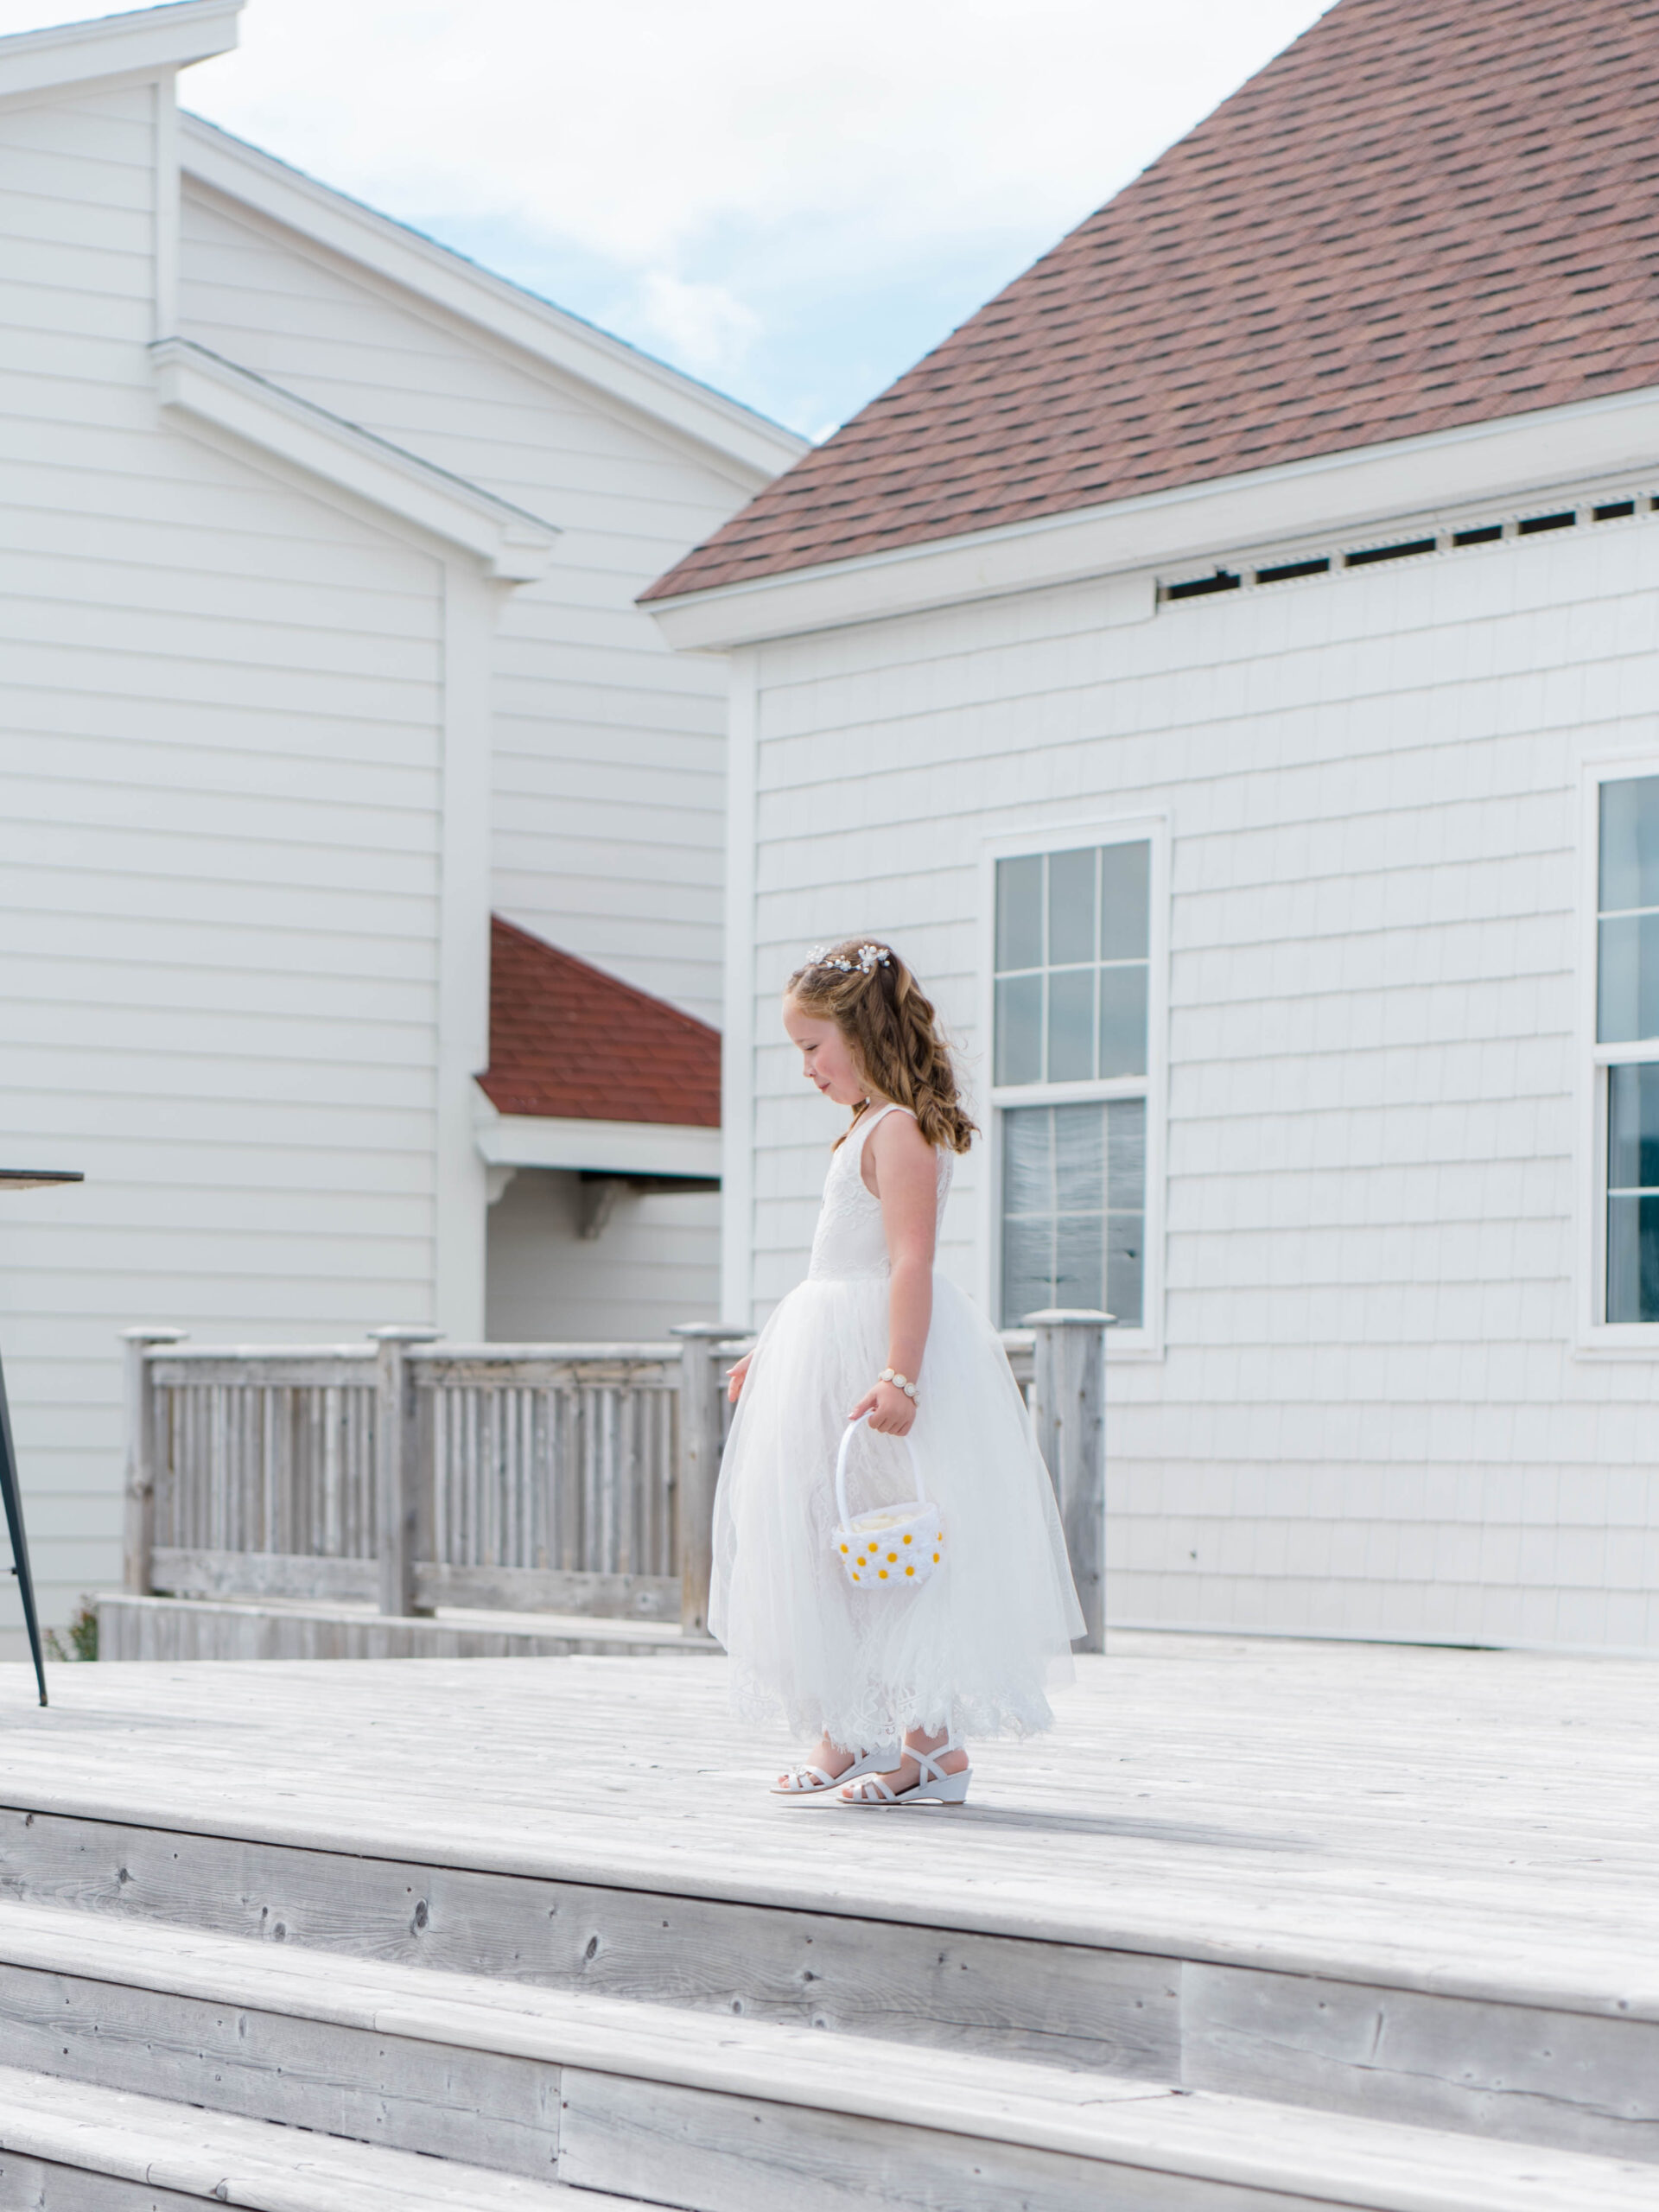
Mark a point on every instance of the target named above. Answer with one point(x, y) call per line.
point(1370, 485)
point(242, 173)
point(198, 390)
point(604, 1147)
point(147, 43)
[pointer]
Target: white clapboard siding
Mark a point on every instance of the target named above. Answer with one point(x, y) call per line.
point(219, 734)
point(608, 748)
point(655, 1262)
point(1369, 1420)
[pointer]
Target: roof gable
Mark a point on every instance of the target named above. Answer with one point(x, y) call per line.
point(745, 443)
point(1417, 217)
point(569, 1041)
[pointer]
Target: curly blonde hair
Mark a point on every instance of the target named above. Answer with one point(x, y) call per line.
point(887, 1018)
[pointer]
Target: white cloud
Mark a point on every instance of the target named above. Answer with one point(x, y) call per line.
point(724, 178)
point(704, 325)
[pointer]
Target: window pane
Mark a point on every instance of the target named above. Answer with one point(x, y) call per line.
point(1079, 1159)
point(1027, 1212)
point(1027, 1283)
point(1125, 900)
point(1079, 1260)
point(1629, 844)
point(1126, 1156)
point(1028, 1160)
point(1123, 1021)
point(1124, 1298)
point(1019, 913)
point(1627, 980)
point(1633, 1259)
point(1070, 907)
point(1072, 1026)
point(1126, 1195)
point(1633, 1129)
point(1020, 1030)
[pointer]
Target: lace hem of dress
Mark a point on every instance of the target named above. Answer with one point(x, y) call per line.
point(862, 1722)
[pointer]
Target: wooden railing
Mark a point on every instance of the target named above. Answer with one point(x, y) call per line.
point(411, 1474)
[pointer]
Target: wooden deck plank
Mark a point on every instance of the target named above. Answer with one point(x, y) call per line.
point(1477, 1823)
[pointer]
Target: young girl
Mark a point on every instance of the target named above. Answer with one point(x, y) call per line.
point(888, 1680)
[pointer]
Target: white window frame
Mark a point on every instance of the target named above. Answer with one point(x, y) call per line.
point(1594, 1336)
point(1061, 835)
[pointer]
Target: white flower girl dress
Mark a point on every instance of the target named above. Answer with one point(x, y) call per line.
point(976, 1648)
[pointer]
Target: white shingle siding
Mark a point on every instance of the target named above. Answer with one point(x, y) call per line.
point(609, 748)
point(1370, 1419)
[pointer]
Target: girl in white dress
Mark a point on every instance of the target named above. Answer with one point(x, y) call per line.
point(889, 1680)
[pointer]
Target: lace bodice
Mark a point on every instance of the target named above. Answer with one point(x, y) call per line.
point(849, 1241)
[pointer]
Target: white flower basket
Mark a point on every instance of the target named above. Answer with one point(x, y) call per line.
point(895, 1547)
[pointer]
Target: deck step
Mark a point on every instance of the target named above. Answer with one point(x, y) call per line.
point(1515, 2052)
point(69, 2146)
point(656, 2103)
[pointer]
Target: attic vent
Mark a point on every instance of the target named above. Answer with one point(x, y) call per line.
point(1223, 579)
point(1614, 511)
point(1286, 569)
point(1534, 524)
point(1406, 552)
point(1485, 533)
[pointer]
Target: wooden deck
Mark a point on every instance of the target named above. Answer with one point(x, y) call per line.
point(1461, 1814)
point(1415, 1886)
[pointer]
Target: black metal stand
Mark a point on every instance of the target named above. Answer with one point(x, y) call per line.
point(19, 1539)
point(22, 1178)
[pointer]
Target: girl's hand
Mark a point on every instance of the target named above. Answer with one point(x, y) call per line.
point(890, 1410)
point(734, 1377)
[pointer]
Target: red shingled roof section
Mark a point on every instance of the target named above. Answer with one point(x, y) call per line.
point(1423, 213)
point(570, 1041)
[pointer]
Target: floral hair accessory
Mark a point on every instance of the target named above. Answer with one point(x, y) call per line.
point(868, 956)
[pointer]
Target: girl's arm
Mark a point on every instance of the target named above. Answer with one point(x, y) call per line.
point(899, 1167)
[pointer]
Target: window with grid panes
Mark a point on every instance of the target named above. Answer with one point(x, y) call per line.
point(1072, 933)
point(1627, 1035)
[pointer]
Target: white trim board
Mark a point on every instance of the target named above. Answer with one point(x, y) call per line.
point(197, 388)
point(1368, 487)
point(746, 443)
point(603, 1148)
point(145, 43)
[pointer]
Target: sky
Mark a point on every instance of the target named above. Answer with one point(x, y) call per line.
point(792, 202)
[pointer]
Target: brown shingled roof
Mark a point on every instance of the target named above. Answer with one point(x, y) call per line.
point(1423, 213)
point(570, 1041)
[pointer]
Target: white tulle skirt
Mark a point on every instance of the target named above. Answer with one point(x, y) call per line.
point(980, 1645)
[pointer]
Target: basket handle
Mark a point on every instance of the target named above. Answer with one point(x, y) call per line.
point(841, 1468)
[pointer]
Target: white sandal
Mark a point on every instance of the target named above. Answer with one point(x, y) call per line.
point(931, 1782)
point(813, 1782)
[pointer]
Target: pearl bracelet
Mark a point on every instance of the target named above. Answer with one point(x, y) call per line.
point(888, 1374)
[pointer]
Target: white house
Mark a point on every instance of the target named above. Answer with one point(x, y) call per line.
point(1228, 668)
point(321, 546)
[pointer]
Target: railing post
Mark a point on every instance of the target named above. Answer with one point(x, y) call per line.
point(1068, 1412)
point(703, 1348)
point(397, 1476)
point(138, 1536)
